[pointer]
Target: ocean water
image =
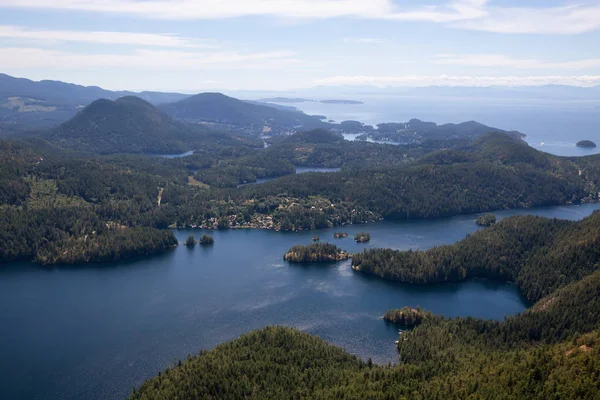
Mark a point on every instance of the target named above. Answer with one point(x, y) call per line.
point(551, 125)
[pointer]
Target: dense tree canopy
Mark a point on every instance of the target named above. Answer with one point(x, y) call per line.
point(493, 172)
point(538, 254)
point(315, 252)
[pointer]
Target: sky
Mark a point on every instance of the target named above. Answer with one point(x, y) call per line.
point(199, 45)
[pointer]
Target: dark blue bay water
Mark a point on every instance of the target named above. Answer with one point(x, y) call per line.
point(95, 332)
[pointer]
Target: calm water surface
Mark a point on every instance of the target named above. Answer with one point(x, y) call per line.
point(551, 125)
point(95, 332)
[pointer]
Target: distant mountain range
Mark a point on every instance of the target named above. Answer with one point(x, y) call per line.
point(59, 92)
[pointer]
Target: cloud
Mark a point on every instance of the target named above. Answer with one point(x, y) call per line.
point(206, 9)
point(15, 58)
point(455, 10)
point(127, 38)
point(503, 61)
point(554, 20)
point(477, 15)
point(463, 14)
point(459, 10)
point(446, 80)
point(365, 40)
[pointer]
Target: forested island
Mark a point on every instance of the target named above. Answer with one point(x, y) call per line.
point(207, 240)
point(362, 237)
point(407, 317)
point(190, 241)
point(416, 131)
point(586, 144)
point(314, 253)
point(486, 220)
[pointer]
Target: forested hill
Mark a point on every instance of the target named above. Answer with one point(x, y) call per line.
point(33, 105)
point(538, 254)
point(497, 172)
point(61, 207)
point(226, 111)
point(128, 125)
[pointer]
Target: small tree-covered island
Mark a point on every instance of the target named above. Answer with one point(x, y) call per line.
point(407, 317)
point(362, 237)
point(588, 144)
point(315, 253)
point(207, 240)
point(486, 220)
point(190, 241)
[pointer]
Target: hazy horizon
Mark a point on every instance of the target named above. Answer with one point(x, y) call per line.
point(166, 45)
point(321, 92)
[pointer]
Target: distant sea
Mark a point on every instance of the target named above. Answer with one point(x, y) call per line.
point(551, 125)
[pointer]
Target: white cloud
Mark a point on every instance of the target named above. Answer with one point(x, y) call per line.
point(465, 14)
point(554, 20)
point(503, 61)
point(16, 58)
point(365, 40)
point(458, 10)
point(205, 9)
point(445, 80)
point(455, 10)
point(128, 38)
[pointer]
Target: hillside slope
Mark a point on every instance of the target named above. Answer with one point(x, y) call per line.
point(32, 105)
point(127, 125)
point(538, 254)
